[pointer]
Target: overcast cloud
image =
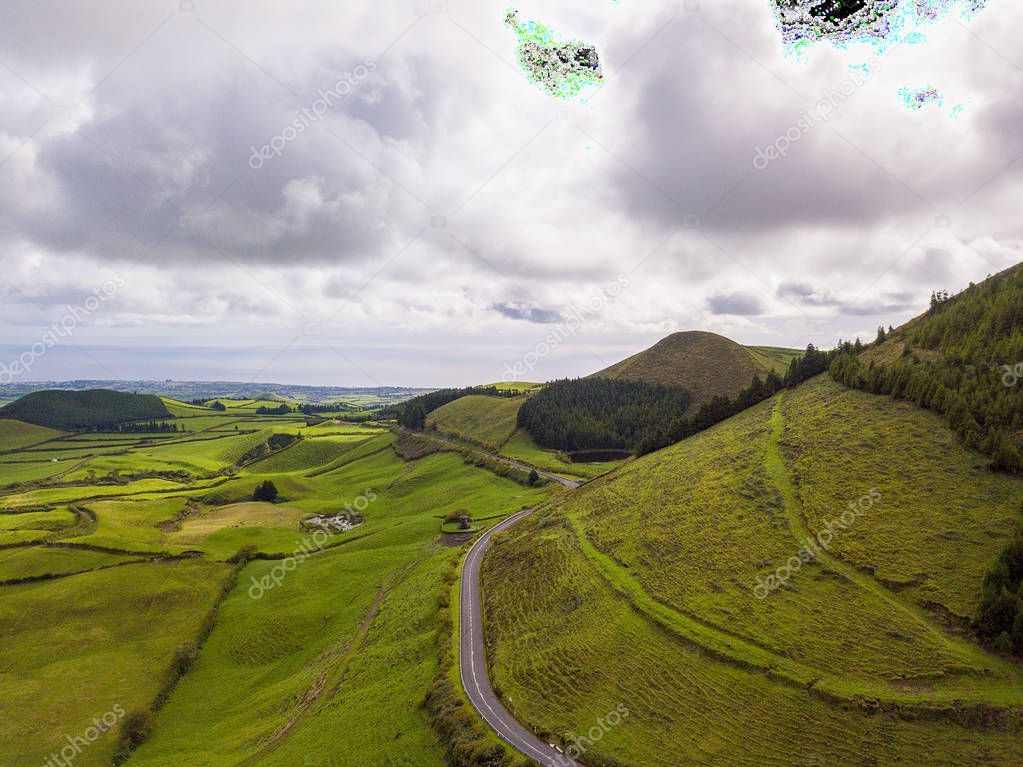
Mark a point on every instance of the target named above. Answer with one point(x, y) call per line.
point(427, 224)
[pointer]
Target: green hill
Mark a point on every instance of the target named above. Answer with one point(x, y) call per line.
point(486, 420)
point(668, 576)
point(95, 408)
point(963, 358)
point(15, 435)
point(705, 364)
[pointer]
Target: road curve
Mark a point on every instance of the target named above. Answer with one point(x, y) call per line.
point(473, 660)
point(571, 484)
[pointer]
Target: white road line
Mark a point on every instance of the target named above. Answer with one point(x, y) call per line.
point(503, 728)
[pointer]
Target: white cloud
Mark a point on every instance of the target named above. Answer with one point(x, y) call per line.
point(542, 205)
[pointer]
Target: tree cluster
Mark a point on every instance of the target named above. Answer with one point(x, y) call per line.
point(412, 414)
point(149, 427)
point(589, 413)
point(1000, 615)
point(279, 410)
point(961, 360)
point(265, 492)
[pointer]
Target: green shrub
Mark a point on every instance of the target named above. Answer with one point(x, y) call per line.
point(265, 492)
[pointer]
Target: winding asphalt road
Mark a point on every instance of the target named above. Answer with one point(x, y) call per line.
point(473, 659)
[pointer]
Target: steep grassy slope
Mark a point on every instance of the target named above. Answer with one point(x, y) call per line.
point(15, 435)
point(487, 420)
point(704, 363)
point(942, 516)
point(963, 358)
point(570, 649)
point(655, 568)
point(490, 422)
point(84, 409)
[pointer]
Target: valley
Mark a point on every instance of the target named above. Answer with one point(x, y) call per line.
point(801, 569)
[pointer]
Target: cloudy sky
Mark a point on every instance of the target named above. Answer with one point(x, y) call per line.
point(442, 219)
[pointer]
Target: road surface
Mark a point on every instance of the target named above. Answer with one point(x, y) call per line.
point(473, 660)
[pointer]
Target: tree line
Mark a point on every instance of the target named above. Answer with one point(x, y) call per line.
point(412, 413)
point(336, 407)
point(279, 410)
point(963, 359)
point(150, 427)
point(588, 413)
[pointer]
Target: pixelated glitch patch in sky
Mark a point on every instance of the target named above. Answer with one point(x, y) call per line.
point(561, 67)
point(883, 22)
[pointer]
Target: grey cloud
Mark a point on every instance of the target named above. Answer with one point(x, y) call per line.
point(739, 304)
point(805, 294)
point(444, 117)
point(520, 311)
point(887, 305)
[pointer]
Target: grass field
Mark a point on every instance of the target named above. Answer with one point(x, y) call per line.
point(488, 420)
point(334, 661)
point(647, 594)
point(75, 647)
point(33, 562)
point(635, 592)
point(521, 447)
point(523, 387)
point(774, 358)
point(15, 435)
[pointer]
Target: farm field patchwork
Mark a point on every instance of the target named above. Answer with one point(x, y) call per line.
point(129, 554)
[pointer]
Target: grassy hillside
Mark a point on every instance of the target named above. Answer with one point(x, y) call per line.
point(774, 358)
point(491, 422)
point(704, 363)
point(15, 435)
point(651, 575)
point(487, 420)
point(963, 358)
point(69, 410)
